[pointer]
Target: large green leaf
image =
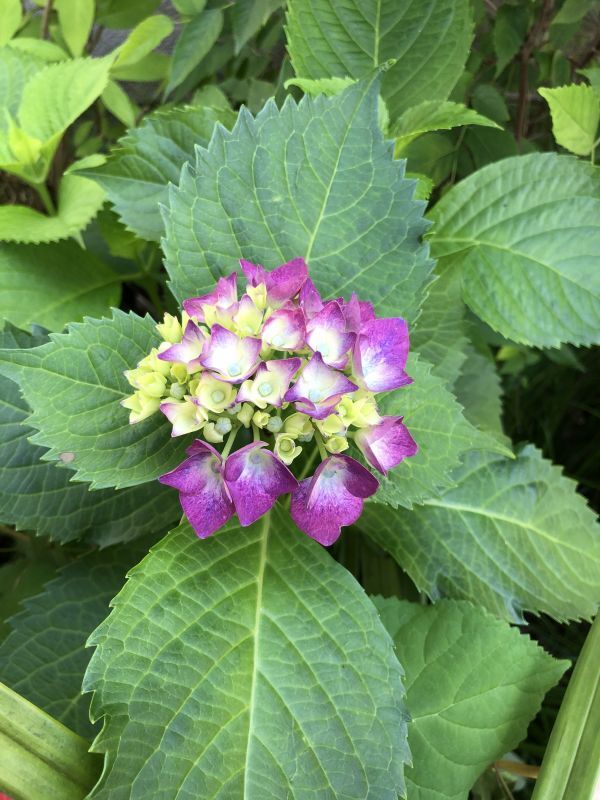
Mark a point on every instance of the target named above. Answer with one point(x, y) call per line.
point(195, 41)
point(575, 114)
point(473, 684)
point(313, 179)
point(54, 284)
point(479, 389)
point(75, 18)
point(44, 657)
point(136, 176)
point(513, 536)
point(20, 578)
point(434, 116)
point(38, 496)
point(74, 384)
point(437, 424)
point(79, 200)
point(440, 331)
point(429, 40)
point(526, 234)
point(255, 667)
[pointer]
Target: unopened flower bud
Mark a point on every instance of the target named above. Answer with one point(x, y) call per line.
point(286, 448)
point(258, 295)
point(211, 434)
point(179, 372)
point(336, 444)
point(141, 406)
point(245, 414)
point(152, 363)
point(331, 425)
point(152, 384)
point(298, 425)
point(260, 419)
point(275, 424)
point(170, 329)
point(223, 426)
point(177, 390)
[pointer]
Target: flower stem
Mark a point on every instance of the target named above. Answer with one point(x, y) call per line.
point(256, 432)
point(229, 442)
point(44, 195)
point(322, 451)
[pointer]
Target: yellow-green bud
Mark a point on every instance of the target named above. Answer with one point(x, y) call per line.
point(260, 419)
point(336, 444)
point(141, 406)
point(223, 426)
point(248, 319)
point(170, 329)
point(213, 394)
point(179, 372)
point(245, 414)
point(178, 391)
point(275, 424)
point(211, 434)
point(286, 448)
point(331, 425)
point(153, 384)
point(298, 425)
point(153, 363)
point(258, 295)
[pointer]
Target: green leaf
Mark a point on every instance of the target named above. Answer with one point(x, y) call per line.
point(142, 40)
point(436, 422)
point(315, 180)
point(434, 116)
point(195, 41)
point(256, 667)
point(429, 40)
point(440, 331)
point(531, 266)
point(79, 200)
point(136, 176)
point(117, 14)
point(74, 384)
point(53, 284)
point(75, 18)
point(424, 186)
point(43, 102)
point(473, 684)
point(433, 154)
point(20, 578)
point(153, 67)
point(479, 389)
point(510, 28)
point(117, 101)
point(248, 18)
point(11, 17)
point(575, 114)
point(512, 536)
point(189, 7)
point(488, 101)
point(40, 48)
point(573, 11)
point(593, 76)
point(39, 757)
point(44, 658)
point(39, 496)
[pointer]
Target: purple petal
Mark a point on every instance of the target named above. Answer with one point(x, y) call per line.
point(357, 313)
point(203, 493)
point(387, 444)
point(224, 296)
point(319, 388)
point(255, 478)
point(254, 273)
point(282, 283)
point(285, 330)
point(310, 299)
point(232, 357)
point(326, 334)
point(380, 354)
point(332, 498)
point(270, 382)
point(189, 349)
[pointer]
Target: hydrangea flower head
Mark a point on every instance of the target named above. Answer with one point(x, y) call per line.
point(286, 384)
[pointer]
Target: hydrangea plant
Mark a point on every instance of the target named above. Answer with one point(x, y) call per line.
point(301, 372)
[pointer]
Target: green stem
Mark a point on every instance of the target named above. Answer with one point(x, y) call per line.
point(571, 766)
point(256, 433)
point(39, 757)
point(308, 466)
point(229, 443)
point(44, 194)
point(322, 451)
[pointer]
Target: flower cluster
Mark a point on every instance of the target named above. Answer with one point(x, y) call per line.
point(294, 376)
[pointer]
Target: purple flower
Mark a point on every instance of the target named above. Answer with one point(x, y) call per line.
point(234, 358)
point(319, 388)
point(327, 335)
point(282, 283)
point(380, 354)
point(270, 383)
point(333, 497)
point(309, 299)
point(203, 493)
point(255, 478)
point(357, 313)
point(285, 330)
point(189, 350)
point(224, 298)
point(386, 444)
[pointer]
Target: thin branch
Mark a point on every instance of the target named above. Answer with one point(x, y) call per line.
point(534, 38)
point(46, 18)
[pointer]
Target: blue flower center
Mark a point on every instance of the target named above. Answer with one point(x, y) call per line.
point(218, 396)
point(265, 389)
point(278, 340)
point(314, 395)
point(234, 369)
